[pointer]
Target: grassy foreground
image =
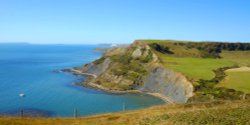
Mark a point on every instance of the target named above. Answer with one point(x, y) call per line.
point(213, 113)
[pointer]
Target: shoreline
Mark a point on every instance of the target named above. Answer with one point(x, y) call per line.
point(90, 84)
point(157, 95)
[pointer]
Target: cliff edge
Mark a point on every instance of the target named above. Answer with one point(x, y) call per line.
point(136, 68)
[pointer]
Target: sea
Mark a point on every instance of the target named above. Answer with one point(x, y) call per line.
point(35, 71)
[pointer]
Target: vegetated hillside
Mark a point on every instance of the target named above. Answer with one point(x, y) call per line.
point(138, 68)
point(204, 63)
point(195, 49)
point(210, 113)
point(172, 69)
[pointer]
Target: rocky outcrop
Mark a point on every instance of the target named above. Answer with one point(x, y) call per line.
point(137, 53)
point(138, 68)
point(96, 69)
point(168, 83)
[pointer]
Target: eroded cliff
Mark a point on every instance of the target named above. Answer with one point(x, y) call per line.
point(137, 67)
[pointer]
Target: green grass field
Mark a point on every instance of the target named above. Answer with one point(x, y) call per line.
point(187, 60)
point(237, 80)
point(195, 68)
point(202, 68)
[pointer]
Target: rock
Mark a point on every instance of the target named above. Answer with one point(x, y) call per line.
point(168, 83)
point(96, 69)
point(137, 53)
point(147, 73)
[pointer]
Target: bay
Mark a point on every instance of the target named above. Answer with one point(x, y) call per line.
point(32, 69)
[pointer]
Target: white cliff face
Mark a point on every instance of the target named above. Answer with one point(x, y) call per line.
point(168, 83)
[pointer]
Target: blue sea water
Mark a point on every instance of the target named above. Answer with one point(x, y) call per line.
point(31, 69)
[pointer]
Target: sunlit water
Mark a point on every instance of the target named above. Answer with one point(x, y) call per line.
point(31, 69)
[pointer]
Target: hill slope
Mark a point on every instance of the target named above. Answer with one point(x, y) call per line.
point(214, 113)
point(176, 70)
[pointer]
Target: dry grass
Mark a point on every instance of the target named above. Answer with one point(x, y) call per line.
point(237, 112)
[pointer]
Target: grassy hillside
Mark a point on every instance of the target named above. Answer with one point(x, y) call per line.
point(129, 69)
point(204, 63)
point(195, 49)
point(199, 60)
point(241, 58)
point(211, 113)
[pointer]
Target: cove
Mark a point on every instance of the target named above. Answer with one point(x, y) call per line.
point(33, 70)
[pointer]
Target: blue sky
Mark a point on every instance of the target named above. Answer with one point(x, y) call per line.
point(122, 21)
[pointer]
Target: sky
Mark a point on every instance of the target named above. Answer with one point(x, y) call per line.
point(123, 21)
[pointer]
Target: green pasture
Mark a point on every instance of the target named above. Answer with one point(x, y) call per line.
point(195, 68)
point(237, 80)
